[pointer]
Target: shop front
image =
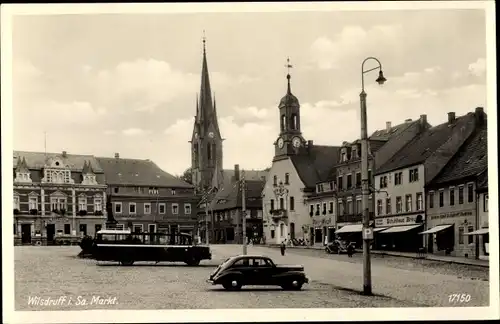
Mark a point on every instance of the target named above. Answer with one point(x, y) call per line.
point(447, 233)
point(483, 236)
point(323, 230)
point(399, 233)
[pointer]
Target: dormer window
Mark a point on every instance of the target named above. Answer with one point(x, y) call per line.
point(57, 176)
point(354, 153)
point(343, 157)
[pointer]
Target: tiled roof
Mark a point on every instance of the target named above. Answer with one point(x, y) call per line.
point(385, 134)
point(37, 160)
point(121, 171)
point(424, 145)
point(317, 165)
point(482, 183)
point(470, 160)
point(231, 198)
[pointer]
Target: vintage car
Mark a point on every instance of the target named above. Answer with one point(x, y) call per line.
point(250, 270)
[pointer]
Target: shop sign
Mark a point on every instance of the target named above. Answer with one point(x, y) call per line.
point(322, 222)
point(451, 215)
point(395, 221)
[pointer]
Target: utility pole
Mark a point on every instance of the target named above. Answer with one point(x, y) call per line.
point(206, 219)
point(244, 211)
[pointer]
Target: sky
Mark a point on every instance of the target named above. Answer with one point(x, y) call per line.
point(127, 83)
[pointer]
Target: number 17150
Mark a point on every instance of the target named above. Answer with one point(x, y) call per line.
point(459, 298)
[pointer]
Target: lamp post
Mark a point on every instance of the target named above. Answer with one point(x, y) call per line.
point(367, 233)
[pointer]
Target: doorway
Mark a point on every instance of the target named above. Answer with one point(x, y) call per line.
point(83, 229)
point(26, 233)
point(292, 231)
point(51, 232)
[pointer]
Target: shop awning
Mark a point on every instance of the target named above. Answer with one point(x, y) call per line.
point(436, 229)
point(378, 229)
point(399, 229)
point(350, 229)
point(479, 232)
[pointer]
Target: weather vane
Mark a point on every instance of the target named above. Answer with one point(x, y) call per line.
point(288, 65)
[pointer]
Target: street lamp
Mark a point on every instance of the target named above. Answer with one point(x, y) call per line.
point(367, 232)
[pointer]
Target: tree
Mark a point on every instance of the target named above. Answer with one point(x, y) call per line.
point(187, 176)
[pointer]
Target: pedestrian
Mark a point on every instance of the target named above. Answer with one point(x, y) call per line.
point(283, 248)
point(350, 250)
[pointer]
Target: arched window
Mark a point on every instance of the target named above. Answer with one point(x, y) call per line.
point(287, 178)
point(283, 122)
point(294, 122)
point(275, 180)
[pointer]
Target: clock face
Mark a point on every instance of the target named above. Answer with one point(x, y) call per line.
point(280, 143)
point(296, 142)
point(211, 135)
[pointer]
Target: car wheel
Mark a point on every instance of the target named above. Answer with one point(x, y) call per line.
point(127, 262)
point(294, 284)
point(232, 284)
point(193, 262)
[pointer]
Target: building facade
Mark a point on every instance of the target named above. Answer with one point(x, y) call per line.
point(482, 234)
point(145, 198)
point(400, 196)
point(57, 195)
point(453, 204)
point(323, 212)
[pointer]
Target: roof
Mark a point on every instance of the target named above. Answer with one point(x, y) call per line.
point(317, 165)
point(231, 197)
point(120, 171)
point(75, 162)
point(424, 145)
point(228, 178)
point(470, 160)
point(385, 134)
point(482, 182)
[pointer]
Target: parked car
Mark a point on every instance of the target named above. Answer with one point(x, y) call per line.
point(250, 270)
point(337, 247)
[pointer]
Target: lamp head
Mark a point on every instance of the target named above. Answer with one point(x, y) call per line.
point(381, 79)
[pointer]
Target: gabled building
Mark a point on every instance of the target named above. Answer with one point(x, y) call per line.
point(57, 194)
point(145, 198)
point(453, 201)
point(296, 168)
point(400, 182)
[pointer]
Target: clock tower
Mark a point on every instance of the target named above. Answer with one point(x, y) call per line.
point(206, 140)
point(290, 140)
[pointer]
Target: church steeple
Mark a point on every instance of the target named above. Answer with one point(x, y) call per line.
point(206, 108)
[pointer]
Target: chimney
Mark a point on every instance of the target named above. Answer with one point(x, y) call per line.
point(480, 116)
point(451, 117)
point(236, 172)
point(64, 154)
point(388, 126)
point(117, 155)
point(423, 121)
point(408, 120)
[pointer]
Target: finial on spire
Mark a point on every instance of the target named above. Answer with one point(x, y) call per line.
point(204, 40)
point(288, 66)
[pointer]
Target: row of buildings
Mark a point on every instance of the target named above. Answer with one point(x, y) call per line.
point(67, 194)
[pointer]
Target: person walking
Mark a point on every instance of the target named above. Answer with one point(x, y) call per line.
point(350, 250)
point(283, 248)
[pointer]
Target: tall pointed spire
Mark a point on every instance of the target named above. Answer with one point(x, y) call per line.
point(288, 66)
point(205, 91)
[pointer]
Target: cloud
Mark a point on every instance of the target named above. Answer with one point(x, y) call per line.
point(331, 54)
point(478, 68)
point(134, 132)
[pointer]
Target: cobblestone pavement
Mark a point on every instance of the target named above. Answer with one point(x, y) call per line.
point(52, 272)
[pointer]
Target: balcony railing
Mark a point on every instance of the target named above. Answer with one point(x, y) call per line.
point(278, 214)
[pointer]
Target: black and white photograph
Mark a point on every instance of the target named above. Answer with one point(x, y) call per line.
point(211, 162)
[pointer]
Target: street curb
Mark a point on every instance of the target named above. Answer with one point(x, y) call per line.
point(390, 254)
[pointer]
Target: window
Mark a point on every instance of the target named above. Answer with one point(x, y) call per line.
point(441, 198)
point(332, 187)
point(67, 229)
point(349, 181)
point(340, 183)
point(379, 207)
point(282, 230)
point(470, 192)
point(330, 211)
point(388, 208)
point(147, 208)
point(354, 153)
point(324, 208)
point(162, 208)
point(460, 195)
point(398, 178)
point(33, 203)
point(272, 204)
point(358, 179)
point(460, 235)
point(292, 203)
point(485, 202)
point(383, 182)
point(470, 237)
point(97, 204)
point(369, 176)
point(282, 203)
point(187, 209)
point(82, 203)
point(287, 178)
point(399, 205)
point(153, 190)
point(175, 209)
point(359, 206)
point(172, 191)
point(452, 196)
point(414, 175)
point(317, 209)
point(431, 199)
point(16, 202)
point(311, 210)
point(275, 181)
point(349, 207)
point(408, 203)
point(344, 156)
point(116, 189)
point(420, 201)
point(272, 234)
point(137, 228)
point(131, 208)
point(341, 208)
point(118, 207)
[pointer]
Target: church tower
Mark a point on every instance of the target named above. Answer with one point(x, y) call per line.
point(206, 140)
point(290, 140)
